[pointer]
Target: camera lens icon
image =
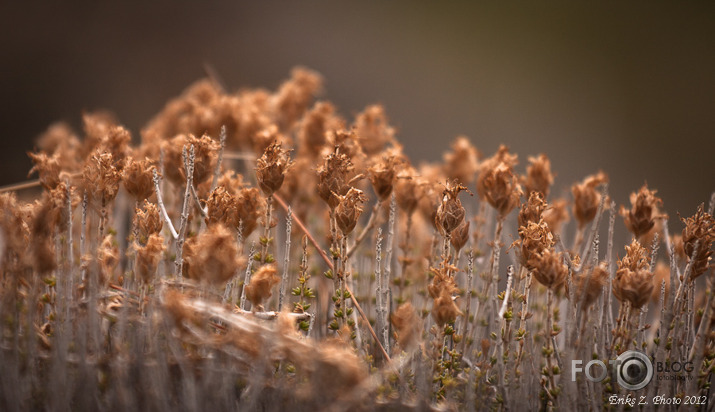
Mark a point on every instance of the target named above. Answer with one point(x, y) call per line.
point(634, 370)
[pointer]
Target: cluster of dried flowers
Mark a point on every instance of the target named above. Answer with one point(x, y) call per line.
point(156, 276)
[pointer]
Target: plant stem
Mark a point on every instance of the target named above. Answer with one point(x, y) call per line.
point(286, 260)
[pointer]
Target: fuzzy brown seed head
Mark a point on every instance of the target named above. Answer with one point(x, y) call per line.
point(261, 284)
point(535, 239)
point(408, 325)
point(532, 210)
point(221, 208)
point(148, 257)
point(444, 309)
point(636, 258)
point(116, 141)
point(590, 286)
point(373, 130)
point(450, 213)
point(47, 167)
point(59, 140)
point(249, 208)
point(634, 281)
point(497, 183)
point(635, 287)
point(137, 176)
point(295, 94)
point(56, 213)
point(13, 225)
point(205, 155)
point(96, 127)
point(314, 127)
point(267, 136)
point(271, 168)
point(382, 176)
point(700, 230)
point(586, 198)
point(549, 269)
point(349, 210)
point(101, 178)
point(640, 219)
point(148, 220)
point(556, 215)
point(442, 280)
point(332, 177)
point(460, 236)
point(211, 257)
point(538, 175)
point(108, 257)
point(407, 190)
point(462, 163)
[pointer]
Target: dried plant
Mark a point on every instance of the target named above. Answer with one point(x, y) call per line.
point(126, 282)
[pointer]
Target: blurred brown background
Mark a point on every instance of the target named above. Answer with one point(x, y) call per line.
point(629, 88)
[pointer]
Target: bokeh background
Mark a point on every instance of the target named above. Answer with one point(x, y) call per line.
point(627, 87)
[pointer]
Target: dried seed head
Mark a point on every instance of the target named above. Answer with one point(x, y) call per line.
point(96, 127)
point(249, 208)
point(556, 215)
point(314, 127)
point(212, 256)
point(336, 373)
point(640, 219)
point(634, 281)
point(137, 176)
point(460, 236)
point(407, 190)
point(148, 257)
point(349, 210)
point(295, 94)
point(538, 175)
point(590, 290)
point(261, 284)
point(47, 167)
point(205, 157)
point(549, 269)
point(148, 220)
point(116, 141)
point(271, 168)
point(634, 287)
point(637, 257)
point(462, 163)
point(221, 208)
point(535, 239)
point(13, 223)
point(450, 213)
point(408, 325)
point(532, 210)
point(267, 136)
point(373, 130)
point(586, 198)
point(60, 140)
point(43, 257)
point(55, 215)
point(383, 174)
point(180, 311)
point(497, 183)
point(700, 230)
point(444, 309)
point(108, 257)
point(101, 178)
point(332, 177)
